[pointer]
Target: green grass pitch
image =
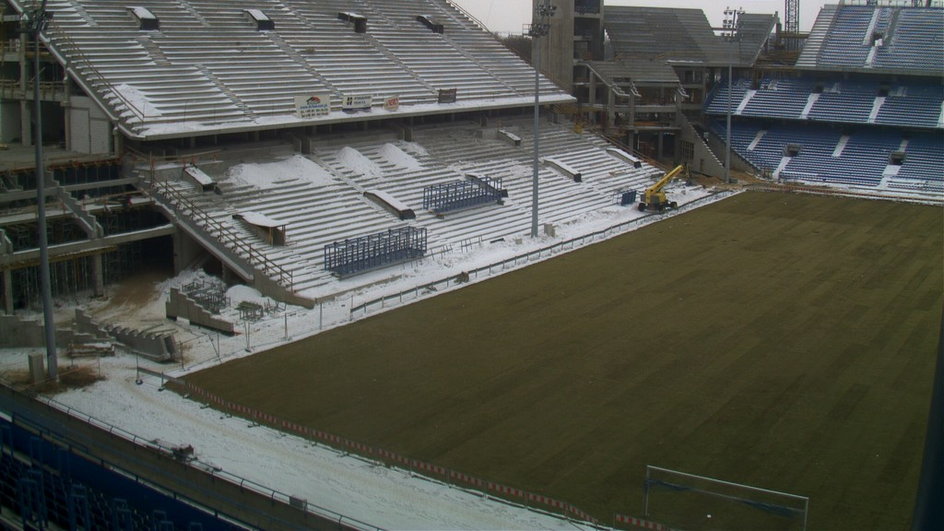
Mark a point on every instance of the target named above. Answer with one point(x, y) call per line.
point(777, 340)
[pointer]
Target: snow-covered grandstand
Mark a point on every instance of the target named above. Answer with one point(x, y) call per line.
point(245, 138)
point(316, 116)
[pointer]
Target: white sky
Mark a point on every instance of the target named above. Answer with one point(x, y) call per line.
point(511, 15)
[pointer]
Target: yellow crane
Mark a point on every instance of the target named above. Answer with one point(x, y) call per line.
point(654, 196)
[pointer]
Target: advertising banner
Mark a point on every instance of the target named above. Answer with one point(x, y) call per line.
point(358, 102)
point(313, 105)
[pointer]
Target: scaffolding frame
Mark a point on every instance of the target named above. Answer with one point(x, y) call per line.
point(381, 249)
point(460, 195)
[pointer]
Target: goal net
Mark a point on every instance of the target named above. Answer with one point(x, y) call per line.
point(689, 501)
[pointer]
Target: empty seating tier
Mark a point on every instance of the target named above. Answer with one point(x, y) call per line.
point(209, 65)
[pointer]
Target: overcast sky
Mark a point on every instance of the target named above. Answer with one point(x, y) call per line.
point(510, 15)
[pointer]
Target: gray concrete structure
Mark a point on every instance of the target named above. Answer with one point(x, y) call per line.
point(180, 305)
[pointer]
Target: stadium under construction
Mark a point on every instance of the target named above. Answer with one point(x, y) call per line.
point(307, 149)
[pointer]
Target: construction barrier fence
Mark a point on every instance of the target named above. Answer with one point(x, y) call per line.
point(388, 457)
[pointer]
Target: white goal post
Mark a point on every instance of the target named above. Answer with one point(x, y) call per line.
point(783, 505)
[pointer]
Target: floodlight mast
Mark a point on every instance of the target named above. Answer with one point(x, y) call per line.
point(34, 23)
point(540, 28)
point(732, 33)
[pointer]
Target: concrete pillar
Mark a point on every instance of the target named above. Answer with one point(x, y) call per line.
point(117, 141)
point(26, 125)
point(98, 271)
point(186, 252)
point(66, 107)
point(610, 104)
point(659, 143)
point(26, 129)
point(37, 369)
point(8, 292)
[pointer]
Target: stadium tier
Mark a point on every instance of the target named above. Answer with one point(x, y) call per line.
point(862, 157)
point(906, 103)
point(876, 39)
point(321, 199)
point(210, 66)
point(50, 486)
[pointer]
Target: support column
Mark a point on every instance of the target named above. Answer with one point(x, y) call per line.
point(67, 111)
point(98, 271)
point(8, 291)
point(26, 126)
point(610, 108)
point(659, 153)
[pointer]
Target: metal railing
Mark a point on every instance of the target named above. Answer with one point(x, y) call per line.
point(223, 233)
point(47, 89)
point(59, 36)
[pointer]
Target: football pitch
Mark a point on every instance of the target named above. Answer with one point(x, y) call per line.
point(777, 340)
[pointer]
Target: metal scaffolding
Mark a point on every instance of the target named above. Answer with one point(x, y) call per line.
point(459, 195)
point(373, 251)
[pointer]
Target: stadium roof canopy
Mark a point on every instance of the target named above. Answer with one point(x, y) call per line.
point(876, 39)
point(164, 69)
point(681, 36)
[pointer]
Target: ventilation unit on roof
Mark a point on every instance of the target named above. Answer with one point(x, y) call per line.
point(148, 21)
point(896, 158)
point(792, 150)
point(263, 23)
point(430, 23)
point(360, 21)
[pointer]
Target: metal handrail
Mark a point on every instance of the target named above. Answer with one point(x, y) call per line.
point(226, 235)
point(62, 36)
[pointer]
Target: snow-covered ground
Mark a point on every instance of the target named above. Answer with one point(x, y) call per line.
point(351, 486)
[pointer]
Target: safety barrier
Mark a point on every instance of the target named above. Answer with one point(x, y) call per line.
point(416, 292)
point(386, 456)
point(638, 523)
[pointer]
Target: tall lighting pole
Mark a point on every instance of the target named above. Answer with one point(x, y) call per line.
point(33, 25)
point(539, 28)
point(732, 34)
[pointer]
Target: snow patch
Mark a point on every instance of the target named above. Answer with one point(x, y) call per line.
point(137, 99)
point(416, 149)
point(264, 175)
point(399, 158)
point(240, 293)
point(355, 161)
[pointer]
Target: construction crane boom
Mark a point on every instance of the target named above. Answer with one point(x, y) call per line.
point(654, 196)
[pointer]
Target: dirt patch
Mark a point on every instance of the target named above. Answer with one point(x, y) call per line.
point(69, 379)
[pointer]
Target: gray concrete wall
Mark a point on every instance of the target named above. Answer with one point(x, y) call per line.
point(156, 346)
point(704, 159)
point(179, 305)
point(557, 48)
point(16, 332)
